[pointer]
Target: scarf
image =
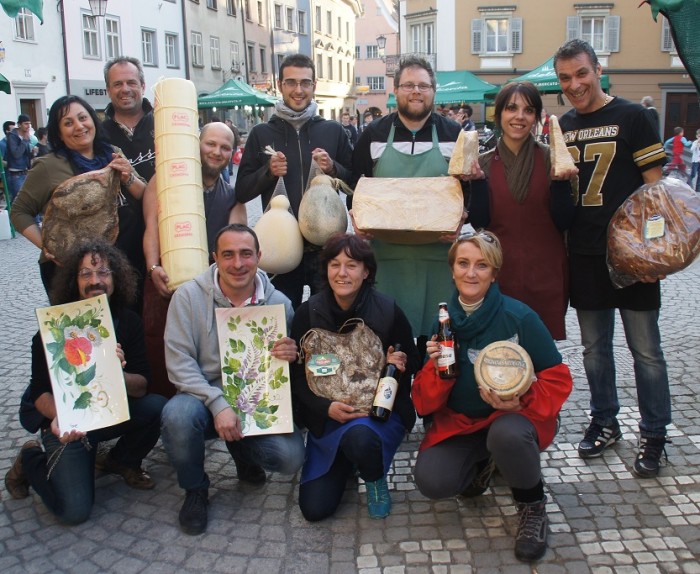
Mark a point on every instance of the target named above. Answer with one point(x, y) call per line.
point(518, 168)
point(296, 119)
point(103, 156)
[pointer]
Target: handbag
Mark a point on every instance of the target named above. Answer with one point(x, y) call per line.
point(343, 367)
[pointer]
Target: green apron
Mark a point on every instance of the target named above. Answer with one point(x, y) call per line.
point(417, 276)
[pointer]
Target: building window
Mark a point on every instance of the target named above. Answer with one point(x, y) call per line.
point(197, 51)
point(347, 31)
point(148, 48)
point(211, 4)
point(340, 26)
point(667, 44)
point(112, 37)
point(278, 16)
point(598, 28)
point(251, 58)
point(261, 21)
point(235, 54)
point(497, 35)
point(319, 66)
point(347, 71)
point(340, 71)
point(246, 6)
point(290, 19)
point(375, 83)
point(24, 25)
point(215, 52)
point(372, 52)
point(357, 52)
point(329, 22)
point(263, 60)
point(231, 7)
point(91, 44)
point(330, 67)
point(429, 35)
point(301, 22)
point(280, 59)
point(358, 80)
point(172, 54)
point(317, 24)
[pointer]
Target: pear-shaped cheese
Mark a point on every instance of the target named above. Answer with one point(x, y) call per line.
point(321, 211)
point(281, 243)
point(562, 161)
point(465, 153)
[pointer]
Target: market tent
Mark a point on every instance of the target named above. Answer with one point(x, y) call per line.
point(4, 85)
point(545, 78)
point(455, 88)
point(235, 93)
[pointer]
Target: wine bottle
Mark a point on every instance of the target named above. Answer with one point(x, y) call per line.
point(447, 362)
point(387, 387)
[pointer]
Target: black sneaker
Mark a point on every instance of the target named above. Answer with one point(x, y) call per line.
point(531, 539)
point(478, 486)
point(598, 438)
point(649, 457)
point(193, 514)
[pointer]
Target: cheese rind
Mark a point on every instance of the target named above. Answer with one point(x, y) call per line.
point(562, 161)
point(465, 153)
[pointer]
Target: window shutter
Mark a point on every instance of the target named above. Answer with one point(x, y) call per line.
point(477, 36)
point(666, 38)
point(516, 35)
point(572, 28)
point(613, 25)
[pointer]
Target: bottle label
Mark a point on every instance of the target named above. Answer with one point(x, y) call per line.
point(447, 355)
point(386, 393)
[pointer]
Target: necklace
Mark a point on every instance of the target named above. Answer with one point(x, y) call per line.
point(608, 99)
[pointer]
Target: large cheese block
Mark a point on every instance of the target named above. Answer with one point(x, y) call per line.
point(465, 154)
point(505, 368)
point(408, 210)
point(562, 161)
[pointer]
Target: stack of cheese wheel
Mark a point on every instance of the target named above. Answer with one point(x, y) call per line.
point(181, 225)
point(505, 368)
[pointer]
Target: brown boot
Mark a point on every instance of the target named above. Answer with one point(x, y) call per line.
point(16, 481)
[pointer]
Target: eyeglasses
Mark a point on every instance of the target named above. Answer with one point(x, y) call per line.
point(486, 236)
point(410, 86)
point(293, 84)
point(86, 274)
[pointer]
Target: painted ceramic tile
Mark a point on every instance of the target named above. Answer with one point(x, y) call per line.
point(255, 383)
point(86, 375)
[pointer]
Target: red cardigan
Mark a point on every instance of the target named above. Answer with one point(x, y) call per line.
point(541, 405)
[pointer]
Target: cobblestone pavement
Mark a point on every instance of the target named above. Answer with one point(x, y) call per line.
point(603, 519)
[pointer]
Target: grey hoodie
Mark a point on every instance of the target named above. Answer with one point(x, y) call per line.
point(191, 339)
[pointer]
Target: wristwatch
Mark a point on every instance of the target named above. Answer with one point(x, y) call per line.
point(151, 268)
point(131, 179)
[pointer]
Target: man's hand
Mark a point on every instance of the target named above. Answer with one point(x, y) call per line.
point(160, 281)
point(278, 165)
point(364, 234)
point(285, 349)
point(324, 161)
point(228, 425)
point(67, 437)
point(343, 413)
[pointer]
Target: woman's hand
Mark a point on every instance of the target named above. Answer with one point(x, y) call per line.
point(476, 173)
point(122, 166)
point(432, 350)
point(285, 349)
point(397, 358)
point(67, 437)
point(497, 402)
point(343, 413)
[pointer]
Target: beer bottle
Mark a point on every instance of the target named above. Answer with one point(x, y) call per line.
point(447, 362)
point(387, 387)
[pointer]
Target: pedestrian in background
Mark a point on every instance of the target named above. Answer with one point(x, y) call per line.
point(695, 166)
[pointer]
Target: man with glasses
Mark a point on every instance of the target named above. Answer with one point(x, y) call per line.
point(411, 142)
point(63, 472)
point(297, 134)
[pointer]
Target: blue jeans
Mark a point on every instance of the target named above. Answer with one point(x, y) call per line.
point(644, 342)
point(694, 170)
point(187, 423)
point(15, 183)
point(65, 478)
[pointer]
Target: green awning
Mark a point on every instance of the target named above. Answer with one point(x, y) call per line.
point(5, 85)
point(456, 88)
point(234, 93)
point(545, 78)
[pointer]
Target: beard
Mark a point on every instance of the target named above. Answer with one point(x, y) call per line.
point(415, 116)
point(211, 172)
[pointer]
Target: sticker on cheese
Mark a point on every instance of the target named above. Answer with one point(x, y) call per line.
point(465, 153)
point(505, 368)
point(559, 153)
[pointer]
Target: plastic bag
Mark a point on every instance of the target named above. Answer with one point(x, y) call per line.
point(655, 232)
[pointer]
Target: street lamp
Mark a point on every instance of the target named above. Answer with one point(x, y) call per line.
point(381, 45)
point(98, 7)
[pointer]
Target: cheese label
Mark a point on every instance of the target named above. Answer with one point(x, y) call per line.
point(654, 227)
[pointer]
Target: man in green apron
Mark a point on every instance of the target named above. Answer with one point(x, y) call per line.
point(412, 142)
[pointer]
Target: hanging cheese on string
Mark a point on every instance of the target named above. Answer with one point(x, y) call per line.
point(465, 154)
point(562, 162)
point(321, 211)
point(281, 243)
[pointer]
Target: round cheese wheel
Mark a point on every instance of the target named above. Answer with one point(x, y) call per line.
point(505, 368)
